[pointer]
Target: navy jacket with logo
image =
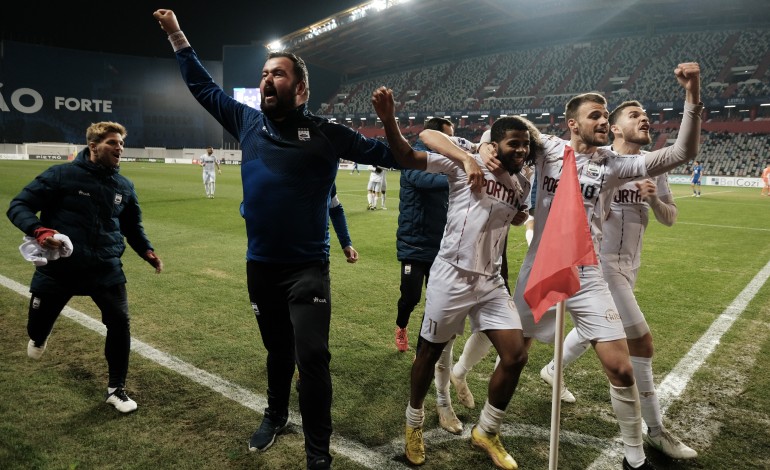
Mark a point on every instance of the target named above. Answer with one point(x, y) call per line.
point(287, 169)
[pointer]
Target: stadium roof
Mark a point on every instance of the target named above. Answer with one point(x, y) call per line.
point(414, 32)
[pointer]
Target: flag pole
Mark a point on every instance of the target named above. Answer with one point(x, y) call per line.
point(553, 455)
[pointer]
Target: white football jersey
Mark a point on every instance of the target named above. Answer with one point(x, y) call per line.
point(208, 162)
point(624, 226)
point(599, 174)
point(478, 222)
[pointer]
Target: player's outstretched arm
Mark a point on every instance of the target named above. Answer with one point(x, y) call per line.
point(441, 143)
point(687, 142)
point(405, 155)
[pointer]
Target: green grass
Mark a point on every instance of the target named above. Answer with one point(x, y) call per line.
point(52, 415)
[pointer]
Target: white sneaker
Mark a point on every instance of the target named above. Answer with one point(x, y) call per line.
point(35, 352)
point(566, 395)
point(464, 393)
point(669, 445)
point(120, 401)
point(448, 419)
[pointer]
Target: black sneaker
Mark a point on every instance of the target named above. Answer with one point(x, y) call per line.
point(320, 463)
point(645, 466)
point(264, 436)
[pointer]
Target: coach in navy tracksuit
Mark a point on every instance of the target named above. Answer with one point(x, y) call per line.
point(290, 161)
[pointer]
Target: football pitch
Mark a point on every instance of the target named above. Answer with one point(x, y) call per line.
point(198, 366)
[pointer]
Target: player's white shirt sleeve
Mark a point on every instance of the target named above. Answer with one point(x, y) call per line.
point(599, 174)
point(478, 222)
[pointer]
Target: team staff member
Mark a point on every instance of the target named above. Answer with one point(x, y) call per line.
point(96, 207)
point(421, 219)
point(290, 161)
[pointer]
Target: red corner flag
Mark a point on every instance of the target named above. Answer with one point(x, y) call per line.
point(565, 244)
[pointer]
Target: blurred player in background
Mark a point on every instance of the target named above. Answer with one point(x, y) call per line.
point(766, 181)
point(697, 170)
point(207, 162)
point(374, 187)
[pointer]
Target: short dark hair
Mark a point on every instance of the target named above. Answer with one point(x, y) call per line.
point(616, 112)
point(300, 69)
point(570, 111)
point(437, 124)
point(518, 123)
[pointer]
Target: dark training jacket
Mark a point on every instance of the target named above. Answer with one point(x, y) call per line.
point(96, 208)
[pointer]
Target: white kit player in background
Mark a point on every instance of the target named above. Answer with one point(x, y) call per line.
point(376, 188)
point(600, 172)
point(620, 254)
point(465, 280)
point(208, 161)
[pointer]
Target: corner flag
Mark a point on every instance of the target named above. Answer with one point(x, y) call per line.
point(565, 244)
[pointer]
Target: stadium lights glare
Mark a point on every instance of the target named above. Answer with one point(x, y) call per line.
point(503, 115)
point(523, 114)
point(363, 119)
point(765, 104)
point(275, 46)
point(447, 117)
point(484, 116)
point(427, 117)
point(546, 114)
point(729, 106)
point(668, 109)
point(715, 111)
point(464, 116)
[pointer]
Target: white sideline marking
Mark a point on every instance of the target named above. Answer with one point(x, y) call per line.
point(384, 457)
point(676, 381)
point(724, 226)
point(352, 450)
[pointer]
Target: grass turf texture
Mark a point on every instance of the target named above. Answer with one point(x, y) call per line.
point(52, 413)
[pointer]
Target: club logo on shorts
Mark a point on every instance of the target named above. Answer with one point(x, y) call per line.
point(319, 300)
point(612, 315)
point(118, 198)
point(255, 308)
point(407, 269)
point(303, 133)
point(35, 303)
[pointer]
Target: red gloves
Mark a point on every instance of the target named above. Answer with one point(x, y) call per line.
point(42, 233)
point(153, 259)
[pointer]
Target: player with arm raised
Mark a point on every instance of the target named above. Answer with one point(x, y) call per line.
point(465, 277)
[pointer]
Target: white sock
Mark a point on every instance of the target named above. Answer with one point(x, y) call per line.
point(573, 349)
point(383, 200)
point(647, 396)
point(529, 234)
point(476, 348)
point(213, 188)
point(441, 375)
point(414, 418)
point(490, 419)
point(625, 402)
point(369, 198)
